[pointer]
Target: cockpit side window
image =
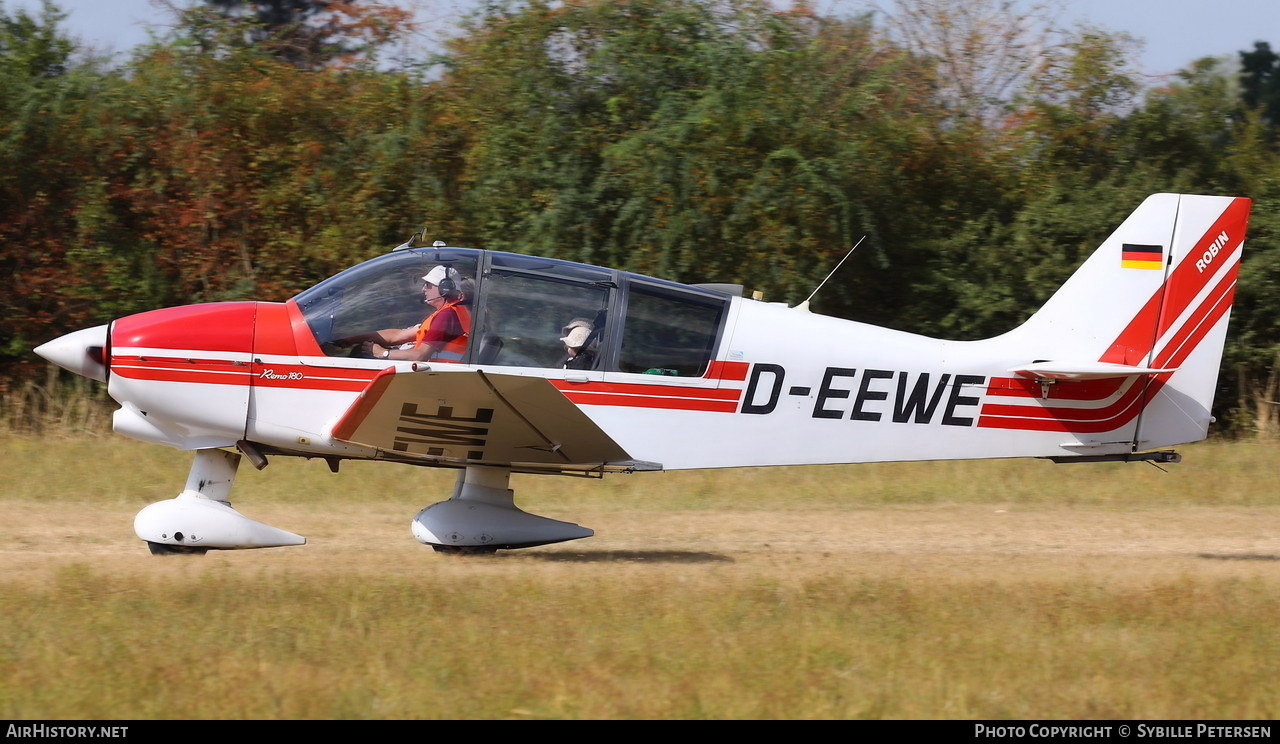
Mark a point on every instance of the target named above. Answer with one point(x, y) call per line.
point(667, 332)
point(525, 317)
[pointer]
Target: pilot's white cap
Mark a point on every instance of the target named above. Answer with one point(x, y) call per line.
point(438, 274)
point(575, 334)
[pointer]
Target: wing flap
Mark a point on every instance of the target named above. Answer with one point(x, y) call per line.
point(477, 417)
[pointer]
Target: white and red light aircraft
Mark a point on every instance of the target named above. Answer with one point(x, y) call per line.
point(1122, 360)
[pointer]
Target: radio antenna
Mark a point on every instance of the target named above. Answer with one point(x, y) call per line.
point(805, 305)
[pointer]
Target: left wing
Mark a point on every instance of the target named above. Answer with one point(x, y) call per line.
point(479, 418)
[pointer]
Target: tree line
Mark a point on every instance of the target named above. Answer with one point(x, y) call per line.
point(979, 153)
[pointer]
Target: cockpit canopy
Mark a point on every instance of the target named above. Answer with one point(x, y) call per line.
point(523, 308)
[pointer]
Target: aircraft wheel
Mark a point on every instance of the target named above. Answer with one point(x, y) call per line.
point(163, 549)
point(464, 549)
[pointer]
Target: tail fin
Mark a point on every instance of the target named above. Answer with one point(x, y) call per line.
point(1148, 313)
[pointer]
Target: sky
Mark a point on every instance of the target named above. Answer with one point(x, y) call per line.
point(1174, 32)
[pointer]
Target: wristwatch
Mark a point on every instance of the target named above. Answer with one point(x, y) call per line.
point(386, 354)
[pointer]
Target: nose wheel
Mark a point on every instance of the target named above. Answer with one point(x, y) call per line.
point(201, 518)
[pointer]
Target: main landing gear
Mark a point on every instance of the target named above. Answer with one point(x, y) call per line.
point(482, 517)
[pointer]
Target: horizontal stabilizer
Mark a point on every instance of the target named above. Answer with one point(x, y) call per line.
point(1083, 370)
point(476, 417)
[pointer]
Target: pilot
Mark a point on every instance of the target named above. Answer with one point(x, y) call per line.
point(577, 349)
point(442, 336)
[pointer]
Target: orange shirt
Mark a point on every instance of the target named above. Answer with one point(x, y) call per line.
point(446, 330)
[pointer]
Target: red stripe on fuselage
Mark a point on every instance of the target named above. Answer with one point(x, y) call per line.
point(1059, 418)
point(638, 401)
point(204, 371)
point(641, 389)
point(1019, 387)
point(220, 372)
point(731, 371)
point(658, 395)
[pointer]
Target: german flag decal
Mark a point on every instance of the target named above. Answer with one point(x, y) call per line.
point(1141, 256)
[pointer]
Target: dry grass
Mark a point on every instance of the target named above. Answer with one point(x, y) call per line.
point(975, 590)
point(65, 405)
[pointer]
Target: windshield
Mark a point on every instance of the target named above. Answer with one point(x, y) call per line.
point(383, 293)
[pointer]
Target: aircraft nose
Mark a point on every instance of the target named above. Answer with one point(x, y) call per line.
point(82, 352)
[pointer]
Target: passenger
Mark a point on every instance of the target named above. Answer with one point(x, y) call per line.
point(442, 336)
point(578, 343)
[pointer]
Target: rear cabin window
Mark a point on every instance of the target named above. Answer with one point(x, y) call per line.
point(525, 317)
point(668, 332)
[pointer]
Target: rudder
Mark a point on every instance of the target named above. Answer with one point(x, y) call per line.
point(1190, 325)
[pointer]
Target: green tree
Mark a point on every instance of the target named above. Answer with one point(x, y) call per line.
point(1260, 81)
point(313, 33)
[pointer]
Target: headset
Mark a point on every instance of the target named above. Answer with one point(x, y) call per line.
point(447, 286)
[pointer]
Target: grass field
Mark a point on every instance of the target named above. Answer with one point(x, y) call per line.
point(963, 590)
